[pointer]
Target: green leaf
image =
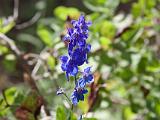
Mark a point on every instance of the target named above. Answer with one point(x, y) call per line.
point(65, 114)
point(3, 49)
point(45, 35)
point(95, 8)
point(143, 7)
point(6, 28)
point(51, 62)
point(61, 114)
point(108, 29)
point(136, 10)
point(62, 12)
point(9, 63)
point(142, 65)
point(101, 2)
point(105, 42)
point(94, 16)
point(10, 95)
point(71, 116)
point(29, 38)
point(157, 108)
point(127, 113)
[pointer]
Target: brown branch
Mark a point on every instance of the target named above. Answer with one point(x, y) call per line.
point(21, 60)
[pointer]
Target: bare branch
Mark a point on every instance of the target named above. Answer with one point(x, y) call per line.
point(30, 22)
point(10, 44)
point(16, 9)
point(23, 61)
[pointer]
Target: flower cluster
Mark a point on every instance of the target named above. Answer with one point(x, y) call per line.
point(78, 50)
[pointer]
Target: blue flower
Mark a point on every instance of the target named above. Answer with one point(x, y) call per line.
point(68, 66)
point(78, 34)
point(78, 95)
point(78, 50)
point(79, 56)
point(77, 47)
point(86, 79)
point(72, 69)
point(64, 60)
point(81, 24)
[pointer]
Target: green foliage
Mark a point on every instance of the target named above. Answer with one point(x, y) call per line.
point(10, 95)
point(60, 113)
point(105, 42)
point(4, 26)
point(107, 29)
point(62, 12)
point(143, 7)
point(51, 62)
point(31, 102)
point(63, 114)
point(3, 49)
point(9, 62)
point(125, 59)
point(45, 35)
point(89, 119)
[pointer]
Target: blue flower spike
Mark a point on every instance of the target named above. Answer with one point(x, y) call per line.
point(78, 50)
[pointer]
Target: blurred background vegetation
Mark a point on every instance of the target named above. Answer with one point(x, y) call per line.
point(125, 57)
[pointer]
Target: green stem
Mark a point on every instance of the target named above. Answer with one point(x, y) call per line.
point(68, 101)
point(75, 80)
point(72, 107)
point(66, 97)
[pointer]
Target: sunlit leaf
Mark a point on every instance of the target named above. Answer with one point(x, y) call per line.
point(61, 114)
point(105, 42)
point(3, 49)
point(62, 12)
point(51, 62)
point(127, 113)
point(4, 28)
point(45, 36)
point(108, 29)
